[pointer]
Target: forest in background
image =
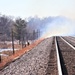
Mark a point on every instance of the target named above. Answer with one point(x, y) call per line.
point(30, 28)
point(23, 29)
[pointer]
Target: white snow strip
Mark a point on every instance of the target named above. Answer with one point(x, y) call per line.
point(7, 49)
point(68, 43)
point(58, 59)
point(4, 55)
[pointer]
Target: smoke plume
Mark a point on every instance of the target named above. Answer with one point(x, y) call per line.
point(54, 26)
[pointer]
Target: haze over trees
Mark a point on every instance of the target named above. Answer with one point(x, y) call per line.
point(5, 27)
point(31, 28)
point(21, 28)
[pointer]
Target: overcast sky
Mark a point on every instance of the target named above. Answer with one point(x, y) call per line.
point(41, 8)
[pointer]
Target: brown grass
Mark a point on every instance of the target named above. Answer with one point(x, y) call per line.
point(18, 54)
point(9, 52)
point(16, 46)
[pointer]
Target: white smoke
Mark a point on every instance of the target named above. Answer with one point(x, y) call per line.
point(53, 26)
point(59, 27)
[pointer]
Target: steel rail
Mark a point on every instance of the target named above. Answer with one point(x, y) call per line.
point(68, 43)
point(58, 59)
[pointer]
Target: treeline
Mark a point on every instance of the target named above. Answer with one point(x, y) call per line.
point(25, 29)
point(20, 28)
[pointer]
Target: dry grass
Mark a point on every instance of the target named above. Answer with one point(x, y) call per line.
point(2, 45)
point(18, 54)
point(9, 52)
point(16, 46)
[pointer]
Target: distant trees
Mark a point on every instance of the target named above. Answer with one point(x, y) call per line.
point(22, 30)
point(36, 34)
point(5, 27)
point(20, 26)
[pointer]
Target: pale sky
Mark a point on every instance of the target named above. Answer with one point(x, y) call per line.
point(41, 8)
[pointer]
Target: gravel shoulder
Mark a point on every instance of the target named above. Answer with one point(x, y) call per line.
point(70, 39)
point(34, 62)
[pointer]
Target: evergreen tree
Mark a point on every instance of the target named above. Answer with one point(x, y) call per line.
point(20, 26)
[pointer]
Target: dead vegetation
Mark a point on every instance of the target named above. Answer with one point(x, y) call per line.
point(17, 54)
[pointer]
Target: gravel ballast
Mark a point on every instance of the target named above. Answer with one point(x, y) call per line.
point(34, 62)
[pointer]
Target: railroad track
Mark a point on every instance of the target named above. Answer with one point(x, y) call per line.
point(65, 57)
point(48, 58)
point(52, 63)
point(71, 40)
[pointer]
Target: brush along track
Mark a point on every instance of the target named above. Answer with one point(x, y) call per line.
point(67, 57)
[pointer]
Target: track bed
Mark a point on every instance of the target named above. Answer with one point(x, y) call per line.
point(67, 56)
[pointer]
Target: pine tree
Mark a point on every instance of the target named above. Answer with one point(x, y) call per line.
point(20, 26)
